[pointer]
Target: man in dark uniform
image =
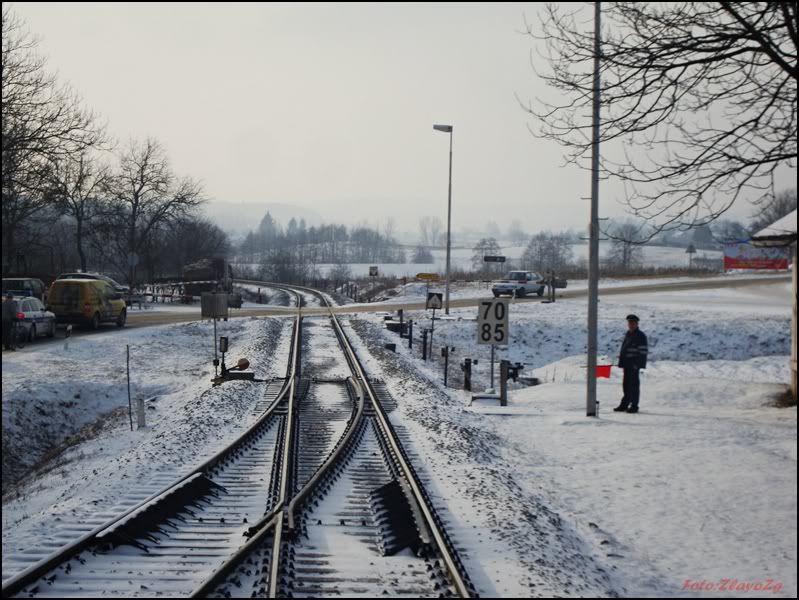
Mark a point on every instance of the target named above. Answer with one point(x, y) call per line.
point(9, 316)
point(632, 358)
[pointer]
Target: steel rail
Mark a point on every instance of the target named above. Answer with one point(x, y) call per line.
point(16, 583)
point(453, 565)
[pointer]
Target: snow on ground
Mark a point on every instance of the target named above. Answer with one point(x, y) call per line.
point(698, 487)
point(697, 490)
point(49, 394)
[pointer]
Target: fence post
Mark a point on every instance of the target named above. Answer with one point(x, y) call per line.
point(503, 382)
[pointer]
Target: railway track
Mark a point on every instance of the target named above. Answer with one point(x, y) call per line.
point(319, 499)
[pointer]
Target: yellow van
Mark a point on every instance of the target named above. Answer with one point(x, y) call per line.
point(87, 302)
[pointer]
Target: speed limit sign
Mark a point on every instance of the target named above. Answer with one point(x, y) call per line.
point(492, 322)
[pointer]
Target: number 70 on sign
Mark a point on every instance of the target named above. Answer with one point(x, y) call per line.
point(492, 322)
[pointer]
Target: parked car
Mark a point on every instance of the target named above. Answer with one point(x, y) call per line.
point(117, 286)
point(86, 302)
point(35, 319)
point(519, 284)
point(25, 286)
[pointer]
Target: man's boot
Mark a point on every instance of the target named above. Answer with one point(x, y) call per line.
point(621, 407)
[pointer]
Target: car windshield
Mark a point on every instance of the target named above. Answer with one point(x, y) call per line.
point(17, 285)
point(517, 275)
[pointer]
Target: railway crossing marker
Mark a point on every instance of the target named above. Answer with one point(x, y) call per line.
point(434, 301)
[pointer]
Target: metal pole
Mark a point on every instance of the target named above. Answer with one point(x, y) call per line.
point(492, 367)
point(793, 329)
point(503, 382)
point(130, 406)
point(216, 359)
point(593, 261)
point(449, 221)
point(432, 328)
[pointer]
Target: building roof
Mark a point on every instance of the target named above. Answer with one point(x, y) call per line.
point(783, 230)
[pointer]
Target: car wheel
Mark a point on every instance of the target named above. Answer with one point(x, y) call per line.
point(32, 333)
point(540, 292)
point(496, 295)
point(521, 293)
point(123, 316)
point(95, 324)
point(51, 331)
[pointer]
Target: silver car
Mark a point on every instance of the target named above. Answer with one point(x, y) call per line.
point(35, 319)
point(519, 284)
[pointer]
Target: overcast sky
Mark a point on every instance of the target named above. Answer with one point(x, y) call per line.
point(328, 107)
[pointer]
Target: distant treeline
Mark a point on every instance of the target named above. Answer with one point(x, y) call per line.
point(318, 244)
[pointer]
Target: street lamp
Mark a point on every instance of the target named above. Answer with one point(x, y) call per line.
point(448, 129)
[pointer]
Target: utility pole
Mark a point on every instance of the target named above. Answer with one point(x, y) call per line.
point(448, 129)
point(593, 260)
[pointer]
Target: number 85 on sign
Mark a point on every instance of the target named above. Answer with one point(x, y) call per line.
point(492, 322)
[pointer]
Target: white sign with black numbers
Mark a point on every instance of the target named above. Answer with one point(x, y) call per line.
point(492, 322)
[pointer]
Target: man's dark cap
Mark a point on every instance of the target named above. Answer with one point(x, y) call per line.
point(632, 318)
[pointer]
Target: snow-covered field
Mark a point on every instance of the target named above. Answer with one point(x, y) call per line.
point(461, 259)
point(697, 490)
point(699, 487)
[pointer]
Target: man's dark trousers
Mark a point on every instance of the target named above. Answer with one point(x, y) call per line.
point(7, 328)
point(632, 387)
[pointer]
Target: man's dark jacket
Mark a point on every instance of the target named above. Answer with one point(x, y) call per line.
point(634, 350)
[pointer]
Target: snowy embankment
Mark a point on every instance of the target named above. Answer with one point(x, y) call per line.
point(65, 411)
point(694, 496)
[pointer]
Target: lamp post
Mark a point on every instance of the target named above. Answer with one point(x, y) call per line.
point(448, 129)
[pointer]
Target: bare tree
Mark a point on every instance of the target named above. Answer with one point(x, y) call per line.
point(422, 255)
point(782, 204)
point(729, 230)
point(516, 233)
point(547, 251)
point(146, 194)
point(485, 247)
point(77, 183)
point(389, 229)
point(626, 244)
point(702, 95)
point(42, 122)
point(430, 230)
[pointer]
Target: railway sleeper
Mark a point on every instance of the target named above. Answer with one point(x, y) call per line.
point(159, 512)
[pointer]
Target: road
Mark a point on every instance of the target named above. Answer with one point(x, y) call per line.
point(148, 319)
